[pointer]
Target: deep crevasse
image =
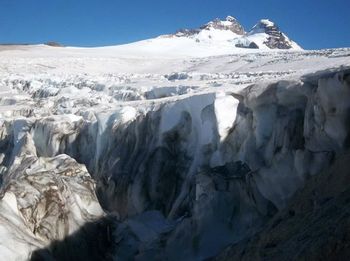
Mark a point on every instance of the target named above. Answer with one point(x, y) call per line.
point(217, 165)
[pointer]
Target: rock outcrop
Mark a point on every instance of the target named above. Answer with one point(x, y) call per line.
point(230, 23)
point(265, 34)
point(276, 39)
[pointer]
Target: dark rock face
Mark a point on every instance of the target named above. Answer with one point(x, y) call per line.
point(251, 45)
point(278, 42)
point(187, 32)
point(276, 39)
point(230, 24)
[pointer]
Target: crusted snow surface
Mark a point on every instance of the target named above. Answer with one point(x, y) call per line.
point(190, 149)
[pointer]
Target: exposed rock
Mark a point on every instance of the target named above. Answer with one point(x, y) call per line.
point(230, 24)
point(276, 39)
point(54, 44)
point(250, 45)
point(265, 34)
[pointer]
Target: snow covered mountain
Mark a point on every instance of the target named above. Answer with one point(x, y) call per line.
point(214, 38)
point(264, 35)
point(168, 148)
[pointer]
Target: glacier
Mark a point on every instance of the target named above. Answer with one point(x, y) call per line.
point(160, 152)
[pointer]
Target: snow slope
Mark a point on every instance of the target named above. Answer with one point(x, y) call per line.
point(214, 38)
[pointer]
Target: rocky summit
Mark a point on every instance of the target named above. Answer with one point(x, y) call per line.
point(264, 35)
point(276, 39)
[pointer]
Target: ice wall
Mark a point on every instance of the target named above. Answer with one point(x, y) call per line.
point(217, 165)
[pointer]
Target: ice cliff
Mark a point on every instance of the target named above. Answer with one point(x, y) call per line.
point(208, 170)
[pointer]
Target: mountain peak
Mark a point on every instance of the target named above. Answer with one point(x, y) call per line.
point(230, 23)
point(266, 22)
point(231, 19)
point(264, 26)
point(264, 35)
point(275, 38)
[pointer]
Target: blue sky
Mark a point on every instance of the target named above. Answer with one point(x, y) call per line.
point(313, 24)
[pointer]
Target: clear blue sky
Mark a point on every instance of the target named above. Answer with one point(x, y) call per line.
point(313, 24)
